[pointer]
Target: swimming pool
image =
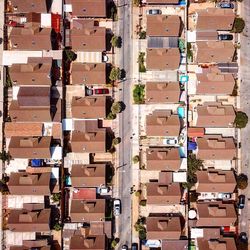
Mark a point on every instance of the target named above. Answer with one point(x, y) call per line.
point(182, 152)
point(181, 112)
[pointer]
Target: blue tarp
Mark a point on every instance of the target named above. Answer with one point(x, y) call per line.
point(192, 145)
point(36, 163)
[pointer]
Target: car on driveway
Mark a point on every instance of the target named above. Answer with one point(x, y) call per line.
point(134, 246)
point(117, 207)
point(243, 237)
point(124, 247)
point(241, 201)
point(154, 12)
point(170, 141)
point(101, 91)
point(224, 196)
point(226, 5)
point(225, 37)
point(89, 91)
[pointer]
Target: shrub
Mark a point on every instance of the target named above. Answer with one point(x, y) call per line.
point(111, 116)
point(114, 41)
point(136, 3)
point(116, 141)
point(70, 55)
point(57, 227)
point(239, 25)
point(181, 44)
point(138, 94)
point(56, 197)
point(143, 203)
point(138, 193)
point(141, 61)
point(115, 74)
point(5, 156)
point(242, 181)
point(136, 159)
point(142, 35)
point(241, 119)
point(142, 233)
point(116, 108)
point(189, 51)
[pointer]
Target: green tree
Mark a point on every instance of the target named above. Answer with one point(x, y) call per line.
point(136, 159)
point(5, 156)
point(142, 34)
point(242, 181)
point(115, 74)
point(143, 203)
point(116, 141)
point(141, 61)
point(136, 3)
point(241, 119)
point(138, 94)
point(116, 108)
point(239, 25)
point(142, 233)
point(115, 41)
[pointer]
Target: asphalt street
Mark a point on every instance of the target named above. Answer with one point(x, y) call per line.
point(245, 106)
point(125, 125)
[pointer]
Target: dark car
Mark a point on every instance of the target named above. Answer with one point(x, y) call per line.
point(225, 37)
point(154, 12)
point(226, 5)
point(89, 91)
point(241, 202)
point(101, 91)
point(243, 237)
point(134, 246)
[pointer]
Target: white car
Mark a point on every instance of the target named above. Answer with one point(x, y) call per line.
point(117, 207)
point(103, 190)
point(171, 141)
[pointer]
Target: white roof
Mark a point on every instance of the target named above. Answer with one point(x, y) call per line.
point(191, 36)
point(67, 7)
point(67, 124)
point(196, 233)
point(12, 56)
point(17, 201)
point(16, 238)
point(56, 153)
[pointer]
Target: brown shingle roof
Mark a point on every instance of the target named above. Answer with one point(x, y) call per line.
point(30, 74)
point(161, 25)
point(22, 220)
point(88, 38)
point(88, 8)
point(23, 129)
point(215, 19)
point(30, 39)
point(215, 51)
point(214, 114)
point(222, 243)
point(215, 214)
point(216, 147)
point(163, 159)
point(29, 114)
point(29, 184)
point(162, 92)
point(174, 245)
point(96, 242)
point(88, 73)
point(87, 210)
point(86, 125)
point(31, 148)
point(88, 142)
point(159, 228)
point(215, 181)
point(26, 6)
point(162, 123)
point(91, 175)
point(163, 193)
point(215, 83)
point(89, 107)
point(162, 1)
point(163, 59)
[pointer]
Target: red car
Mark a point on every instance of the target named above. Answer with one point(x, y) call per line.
point(101, 91)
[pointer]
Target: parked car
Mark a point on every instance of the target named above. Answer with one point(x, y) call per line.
point(241, 202)
point(89, 91)
point(103, 190)
point(224, 196)
point(225, 37)
point(105, 58)
point(101, 91)
point(171, 141)
point(243, 237)
point(226, 5)
point(124, 247)
point(134, 246)
point(117, 207)
point(154, 12)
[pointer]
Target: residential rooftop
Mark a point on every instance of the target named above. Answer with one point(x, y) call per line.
point(162, 123)
point(163, 59)
point(163, 26)
point(162, 92)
